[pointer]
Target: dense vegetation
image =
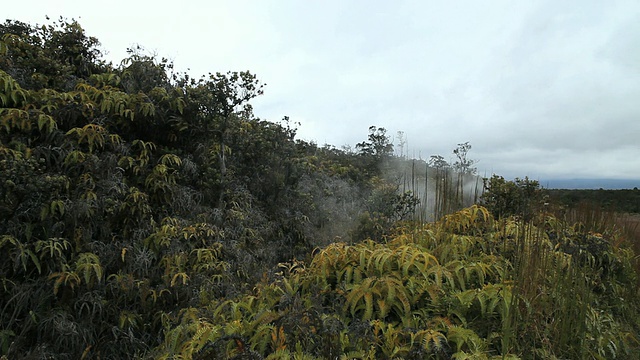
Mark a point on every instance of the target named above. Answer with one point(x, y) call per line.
point(145, 213)
point(624, 200)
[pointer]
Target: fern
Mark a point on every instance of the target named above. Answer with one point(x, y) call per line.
point(432, 341)
point(465, 339)
point(66, 278)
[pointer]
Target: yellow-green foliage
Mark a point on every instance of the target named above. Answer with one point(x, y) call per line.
point(442, 290)
point(144, 214)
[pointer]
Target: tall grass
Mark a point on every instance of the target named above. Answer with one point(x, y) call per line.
point(553, 325)
point(572, 277)
point(630, 229)
point(623, 228)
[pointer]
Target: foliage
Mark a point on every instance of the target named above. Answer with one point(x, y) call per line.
point(522, 197)
point(147, 214)
point(463, 164)
point(376, 150)
point(105, 219)
point(467, 286)
point(385, 208)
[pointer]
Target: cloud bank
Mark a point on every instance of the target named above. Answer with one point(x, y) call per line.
point(546, 89)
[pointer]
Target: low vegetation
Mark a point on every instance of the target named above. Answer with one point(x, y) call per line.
point(467, 286)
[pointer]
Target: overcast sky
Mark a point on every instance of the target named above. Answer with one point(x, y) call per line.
point(545, 89)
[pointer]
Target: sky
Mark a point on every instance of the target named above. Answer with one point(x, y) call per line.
point(544, 89)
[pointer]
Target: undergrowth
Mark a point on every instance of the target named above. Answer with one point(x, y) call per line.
point(467, 286)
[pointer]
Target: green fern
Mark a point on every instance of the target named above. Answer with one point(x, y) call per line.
point(465, 340)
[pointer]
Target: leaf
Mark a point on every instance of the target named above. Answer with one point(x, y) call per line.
point(47, 123)
point(65, 277)
point(7, 239)
point(465, 339)
point(88, 265)
point(466, 297)
point(18, 94)
point(35, 261)
point(177, 276)
point(170, 160)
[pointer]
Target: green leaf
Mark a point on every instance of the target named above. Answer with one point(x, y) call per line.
point(35, 261)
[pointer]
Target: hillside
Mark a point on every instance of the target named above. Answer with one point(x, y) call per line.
point(148, 214)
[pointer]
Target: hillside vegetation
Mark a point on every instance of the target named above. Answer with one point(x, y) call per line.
point(148, 214)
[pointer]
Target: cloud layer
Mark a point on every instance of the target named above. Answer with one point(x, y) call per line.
point(546, 90)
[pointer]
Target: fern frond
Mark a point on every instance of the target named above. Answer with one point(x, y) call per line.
point(465, 339)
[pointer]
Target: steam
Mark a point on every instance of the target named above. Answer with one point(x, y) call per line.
point(337, 204)
point(441, 190)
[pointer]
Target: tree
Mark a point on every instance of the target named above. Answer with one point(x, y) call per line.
point(83, 187)
point(463, 164)
point(503, 198)
point(215, 102)
point(52, 56)
point(379, 144)
point(443, 185)
point(464, 168)
point(385, 208)
point(376, 150)
point(402, 144)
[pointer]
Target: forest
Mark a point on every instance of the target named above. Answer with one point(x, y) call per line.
point(148, 214)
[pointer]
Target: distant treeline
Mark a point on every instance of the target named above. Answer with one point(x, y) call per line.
point(617, 200)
